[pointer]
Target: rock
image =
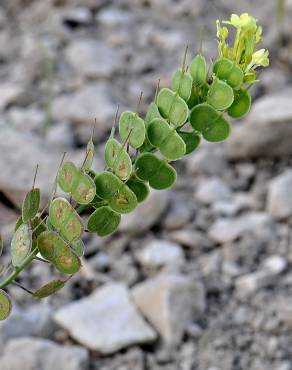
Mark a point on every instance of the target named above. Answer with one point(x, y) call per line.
point(190, 238)
point(146, 214)
point(227, 230)
point(92, 101)
point(34, 118)
point(31, 353)
point(191, 7)
point(12, 94)
point(160, 253)
point(231, 207)
point(267, 130)
point(276, 264)
point(178, 214)
point(106, 321)
point(113, 17)
point(92, 59)
point(78, 16)
point(279, 202)
point(170, 302)
point(212, 190)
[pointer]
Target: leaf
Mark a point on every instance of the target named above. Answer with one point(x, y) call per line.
point(191, 139)
point(5, 305)
point(198, 70)
point(31, 204)
point(241, 105)
point(132, 128)
point(117, 158)
point(103, 221)
point(172, 107)
point(182, 83)
point(21, 244)
point(220, 95)
point(49, 289)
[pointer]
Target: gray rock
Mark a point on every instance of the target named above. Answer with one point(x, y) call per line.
point(92, 59)
point(212, 190)
point(191, 7)
point(267, 130)
point(79, 15)
point(11, 93)
point(40, 354)
point(26, 119)
point(170, 302)
point(178, 214)
point(147, 214)
point(190, 238)
point(106, 321)
point(279, 202)
point(113, 17)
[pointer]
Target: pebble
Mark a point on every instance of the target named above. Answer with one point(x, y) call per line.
point(279, 202)
point(212, 190)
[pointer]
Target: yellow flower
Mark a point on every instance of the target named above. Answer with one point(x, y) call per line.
point(260, 58)
point(244, 21)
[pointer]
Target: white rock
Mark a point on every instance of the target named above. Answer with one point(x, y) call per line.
point(113, 17)
point(79, 15)
point(170, 302)
point(279, 202)
point(158, 253)
point(276, 264)
point(40, 354)
point(250, 283)
point(106, 321)
point(212, 190)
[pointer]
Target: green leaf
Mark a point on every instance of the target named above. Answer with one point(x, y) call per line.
point(117, 158)
point(220, 95)
point(132, 128)
point(103, 221)
point(241, 105)
point(182, 83)
point(172, 107)
point(31, 204)
point(21, 244)
point(198, 70)
point(50, 288)
point(192, 140)
point(139, 188)
point(5, 305)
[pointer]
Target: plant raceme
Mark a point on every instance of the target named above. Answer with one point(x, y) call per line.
point(196, 107)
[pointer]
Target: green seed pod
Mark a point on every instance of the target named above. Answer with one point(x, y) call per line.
point(152, 112)
point(174, 148)
point(164, 178)
point(66, 176)
point(241, 105)
point(198, 70)
point(107, 184)
point(202, 116)
point(65, 219)
point(31, 204)
point(124, 200)
point(103, 221)
point(228, 71)
point(89, 156)
point(158, 131)
point(19, 222)
point(192, 140)
point(50, 288)
point(132, 128)
point(220, 95)
point(172, 107)
point(117, 158)
point(21, 244)
point(182, 84)
point(78, 247)
point(49, 244)
point(38, 227)
point(146, 166)
point(218, 131)
point(5, 305)
point(139, 188)
point(67, 261)
point(83, 189)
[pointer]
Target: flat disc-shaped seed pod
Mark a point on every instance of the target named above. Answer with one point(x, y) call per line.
point(132, 128)
point(241, 105)
point(235, 78)
point(117, 158)
point(67, 261)
point(21, 244)
point(78, 247)
point(112, 149)
point(146, 166)
point(228, 71)
point(65, 219)
point(18, 223)
point(5, 305)
point(103, 221)
point(49, 244)
point(107, 184)
point(220, 95)
point(164, 178)
point(218, 131)
point(124, 200)
point(139, 188)
point(66, 176)
point(195, 97)
point(173, 148)
point(31, 204)
point(38, 226)
point(182, 83)
point(172, 107)
point(198, 70)
point(152, 112)
point(89, 156)
point(202, 116)
point(158, 131)
point(191, 139)
point(83, 188)
point(50, 288)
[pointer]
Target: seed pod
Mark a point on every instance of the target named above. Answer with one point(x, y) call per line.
point(103, 221)
point(152, 112)
point(66, 176)
point(241, 105)
point(220, 95)
point(146, 166)
point(5, 305)
point(78, 247)
point(228, 71)
point(124, 200)
point(21, 245)
point(67, 261)
point(117, 158)
point(198, 70)
point(50, 288)
point(107, 184)
point(89, 156)
point(191, 139)
point(38, 227)
point(172, 107)
point(65, 219)
point(18, 223)
point(132, 128)
point(49, 244)
point(165, 177)
point(218, 131)
point(31, 204)
point(182, 84)
point(139, 188)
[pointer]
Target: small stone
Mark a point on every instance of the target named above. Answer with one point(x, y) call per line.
point(179, 214)
point(170, 302)
point(41, 354)
point(106, 321)
point(276, 264)
point(212, 190)
point(113, 17)
point(77, 16)
point(11, 94)
point(190, 238)
point(279, 202)
point(250, 283)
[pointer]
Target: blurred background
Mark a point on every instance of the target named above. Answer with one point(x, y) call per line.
point(198, 277)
